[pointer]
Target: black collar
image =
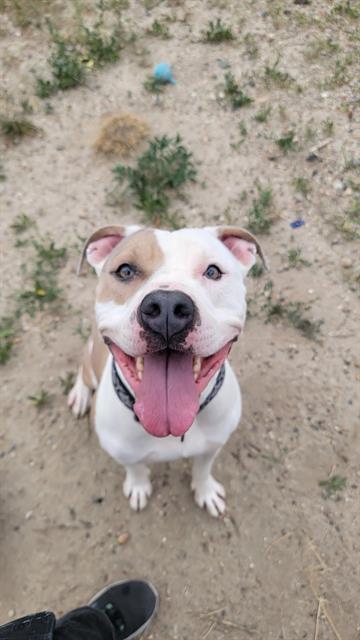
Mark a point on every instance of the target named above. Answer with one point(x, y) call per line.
point(128, 399)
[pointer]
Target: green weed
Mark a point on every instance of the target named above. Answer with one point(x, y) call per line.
point(347, 10)
point(40, 399)
point(293, 312)
point(302, 185)
point(321, 48)
point(7, 336)
point(22, 223)
point(26, 107)
point(17, 127)
point(296, 260)
point(43, 278)
point(273, 75)
point(251, 48)
point(262, 115)
point(257, 270)
point(349, 222)
point(234, 94)
point(328, 127)
point(70, 59)
point(218, 32)
point(154, 85)
point(160, 171)
point(332, 485)
point(159, 30)
point(67, 71)
point(259, 220)
point(67, 382)
point(287, 142)
point(83, 329)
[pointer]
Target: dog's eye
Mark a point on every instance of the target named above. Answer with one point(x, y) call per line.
point(125, 272)
point(213, 272)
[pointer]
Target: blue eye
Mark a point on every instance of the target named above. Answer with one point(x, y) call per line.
point(213, 272)
point(125, 272)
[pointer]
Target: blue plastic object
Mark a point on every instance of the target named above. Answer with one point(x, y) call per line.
point(163, 72)
point(297, 223)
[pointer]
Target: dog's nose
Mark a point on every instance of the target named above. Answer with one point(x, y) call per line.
point(167, 313)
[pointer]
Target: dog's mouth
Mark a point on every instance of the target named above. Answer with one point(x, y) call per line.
point(167, 385)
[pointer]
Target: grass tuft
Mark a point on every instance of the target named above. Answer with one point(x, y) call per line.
point(293, 313)
point(287, 142)
point(67, 382)
point(154, 85)
point(296, 260)
point(40, 399)
point(159, 30)
point(332, 485)
point(259, 220)
point(44, 287)
point(22, 223)
point(7, 336)
point(218, 32)
point(273, 75)
point(234, 94)
point(262, 115)
point(70, 60)
point(302, 185)
point(164, 167)
point(17, 127)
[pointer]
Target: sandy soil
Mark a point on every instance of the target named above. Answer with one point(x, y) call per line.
point(284, 562)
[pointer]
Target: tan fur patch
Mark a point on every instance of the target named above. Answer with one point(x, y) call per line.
point(142, 251)
point(94, 359)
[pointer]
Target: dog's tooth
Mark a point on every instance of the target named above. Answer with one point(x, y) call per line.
point(139, 363)
point(196, 367)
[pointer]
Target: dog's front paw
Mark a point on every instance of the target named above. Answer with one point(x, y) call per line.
point(137, 492)
point(79, 398)
point(210, 494)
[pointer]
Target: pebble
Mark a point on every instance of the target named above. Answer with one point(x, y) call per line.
point(123, 537)
point(339, 185)
point(11, 613)
point(346, 263)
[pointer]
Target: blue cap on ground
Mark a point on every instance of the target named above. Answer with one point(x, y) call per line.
point(163, 72)
point(297, 223)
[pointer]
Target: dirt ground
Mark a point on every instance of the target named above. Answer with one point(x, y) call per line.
point(285, 561)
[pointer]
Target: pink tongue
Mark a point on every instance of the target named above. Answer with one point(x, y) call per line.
point(167, 399)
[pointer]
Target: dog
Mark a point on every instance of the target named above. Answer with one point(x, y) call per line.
point(169, 306)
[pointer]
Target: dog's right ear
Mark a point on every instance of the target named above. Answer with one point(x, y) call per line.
point(101, 243)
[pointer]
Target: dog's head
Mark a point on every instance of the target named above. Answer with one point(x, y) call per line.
point(169, 305)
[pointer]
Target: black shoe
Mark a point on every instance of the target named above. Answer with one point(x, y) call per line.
point(39, 625)
point(130, 606)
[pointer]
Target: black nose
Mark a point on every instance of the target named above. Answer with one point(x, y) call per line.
point(167, 313)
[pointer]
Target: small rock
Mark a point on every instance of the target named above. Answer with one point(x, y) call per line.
point(339, 185)
point(346, 263)
point(11, 613)
point(123, 537)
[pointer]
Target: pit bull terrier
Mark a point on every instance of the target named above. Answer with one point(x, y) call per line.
point(169, 306)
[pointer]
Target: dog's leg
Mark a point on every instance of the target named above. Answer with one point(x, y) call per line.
point(208, 492)
point(137, 485)
point(79, 398)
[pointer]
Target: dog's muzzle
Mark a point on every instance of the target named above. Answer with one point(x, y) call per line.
point(170, 315)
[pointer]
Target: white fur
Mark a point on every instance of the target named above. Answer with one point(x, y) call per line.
point(126, 441)
point(222, 309)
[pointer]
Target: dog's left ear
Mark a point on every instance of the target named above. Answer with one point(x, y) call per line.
point(101, 243)
point(242, 244)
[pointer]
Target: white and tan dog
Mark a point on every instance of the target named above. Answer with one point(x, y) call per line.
point(169, 306)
